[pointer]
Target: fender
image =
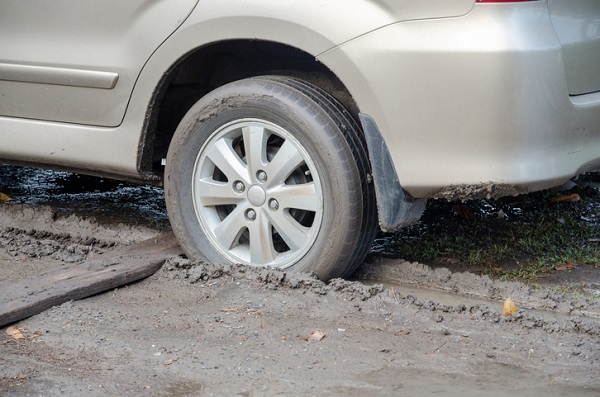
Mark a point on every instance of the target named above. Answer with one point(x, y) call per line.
point(295, 23)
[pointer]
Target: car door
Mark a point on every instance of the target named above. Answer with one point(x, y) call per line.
point(76, 61)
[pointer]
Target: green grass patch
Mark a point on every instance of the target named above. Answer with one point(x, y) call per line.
point(515, 238)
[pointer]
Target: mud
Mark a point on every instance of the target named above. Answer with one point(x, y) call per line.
point(47, 220)
point(106, 200)
point(484, 190)
point(204, 329)
point(476, 286)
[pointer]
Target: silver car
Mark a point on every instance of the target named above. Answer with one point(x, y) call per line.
point(286, 133)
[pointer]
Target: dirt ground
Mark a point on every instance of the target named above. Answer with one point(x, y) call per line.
point(195, 329)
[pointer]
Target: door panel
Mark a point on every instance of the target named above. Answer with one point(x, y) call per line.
point(76, 61)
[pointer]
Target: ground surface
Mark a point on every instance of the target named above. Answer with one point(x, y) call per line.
point(404, 329)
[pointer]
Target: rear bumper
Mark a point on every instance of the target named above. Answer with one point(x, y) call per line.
point(476, 106)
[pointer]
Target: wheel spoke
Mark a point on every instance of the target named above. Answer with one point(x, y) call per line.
point(303, 196)
point(294, 234)
point(228, 231)
point(261, 240)
point(287, 159)
point(255, 144)
point(226, 159)
point(212, 193)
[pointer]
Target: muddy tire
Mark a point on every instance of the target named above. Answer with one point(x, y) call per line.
point(271, 171)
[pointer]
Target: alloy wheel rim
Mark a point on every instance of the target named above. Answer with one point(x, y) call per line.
point(257, 194)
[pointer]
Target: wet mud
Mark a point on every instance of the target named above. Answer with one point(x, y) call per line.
point(106, 200)
point(202, 329)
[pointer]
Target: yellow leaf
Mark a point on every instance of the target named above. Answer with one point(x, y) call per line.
point(315, 336)
point(509, 308)
point(568, 266)
point(15, 333)
point(4, 198)
point(571, 198)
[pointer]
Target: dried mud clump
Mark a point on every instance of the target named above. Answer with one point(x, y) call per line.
point(195, 271)
point(58, 246)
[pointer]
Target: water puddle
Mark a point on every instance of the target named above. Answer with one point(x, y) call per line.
point(106, 200)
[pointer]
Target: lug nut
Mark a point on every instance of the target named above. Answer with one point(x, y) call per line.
point(261, 176)
point(250, 215)
point(239, 187)
point(273, 204)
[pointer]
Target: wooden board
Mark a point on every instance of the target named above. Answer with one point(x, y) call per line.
point(122, 266)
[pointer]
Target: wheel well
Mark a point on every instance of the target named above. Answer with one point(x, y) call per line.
point(212, 66)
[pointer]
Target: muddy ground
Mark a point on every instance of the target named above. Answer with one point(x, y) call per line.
point(402, 329)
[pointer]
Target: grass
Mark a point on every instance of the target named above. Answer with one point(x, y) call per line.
point(517, 238)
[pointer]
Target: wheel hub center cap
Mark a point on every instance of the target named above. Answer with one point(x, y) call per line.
point(257, 196)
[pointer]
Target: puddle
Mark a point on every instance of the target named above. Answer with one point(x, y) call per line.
point(444, 298)
point(107, 200)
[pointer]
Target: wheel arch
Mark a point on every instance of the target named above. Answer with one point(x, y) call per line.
point(210, 66)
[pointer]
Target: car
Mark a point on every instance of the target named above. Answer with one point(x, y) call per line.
point(288, 133)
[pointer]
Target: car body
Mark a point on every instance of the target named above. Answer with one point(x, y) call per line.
point(455, 99)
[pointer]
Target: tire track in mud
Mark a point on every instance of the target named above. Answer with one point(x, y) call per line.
point(479, 287)
point(197, 271)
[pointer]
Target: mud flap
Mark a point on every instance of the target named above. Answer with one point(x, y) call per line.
point(395, 208)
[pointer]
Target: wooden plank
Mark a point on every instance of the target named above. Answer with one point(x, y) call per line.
point(125, 265)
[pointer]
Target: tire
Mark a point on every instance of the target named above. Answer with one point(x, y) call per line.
point(271, 171)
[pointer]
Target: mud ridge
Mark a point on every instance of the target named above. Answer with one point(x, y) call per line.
point(193, 271)
point(45, 219)
point(476, 286)
point(58, 246)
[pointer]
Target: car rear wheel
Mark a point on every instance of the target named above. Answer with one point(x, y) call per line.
point(271, 171)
